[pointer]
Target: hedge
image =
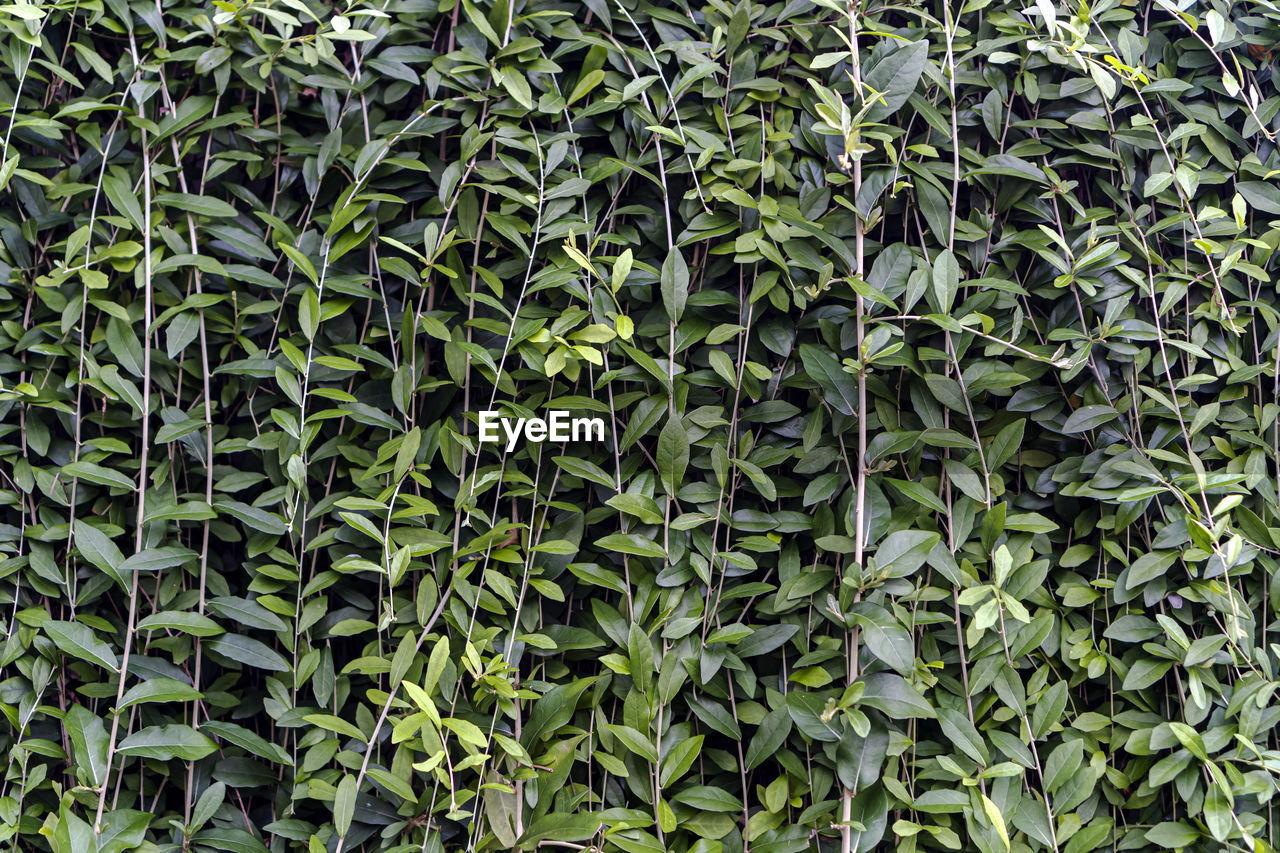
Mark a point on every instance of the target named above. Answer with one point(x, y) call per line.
point(937, 350)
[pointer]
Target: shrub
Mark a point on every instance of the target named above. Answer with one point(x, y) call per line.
point(937, 507)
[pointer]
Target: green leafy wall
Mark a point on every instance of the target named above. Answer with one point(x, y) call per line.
point(937, 343)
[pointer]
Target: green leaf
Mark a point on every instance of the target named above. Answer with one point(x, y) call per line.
point(838, 387)
point(257, 520)
point(552, 710)
point(197, 204)
point(165, 742)
point(675, 284)
point(708, 799)
point(946, 280)
point(231, 839)
point(1048, 710)
point(159, 690)
point(563, 827)
point(895, 697)
point(673, 455)
point(1172, 834)
point(643, 508)
point(301, 261)
point(885, 638)
point(124, 200)
point(896, 77)
point(1261, 195)
point(1089, 417)
point(677, 762)
point(89, 739)
point(79, 641)
point(634, 741)
point(96, 547)
point(344, 804)
point(1062, 763)
point(249, 652)
point(1218, 816)
point(916, 492)
point(770, 734)
point(631, 543)
point(209, 802)
point(993, 814)
point(585, 469)
point(584, 85)
point(963, 735)
point(329, 722)
point(1190, 739)
point(251, 614)
point(1148, 567)
point(309, 313)
point(98, 475)
point(177, 620)
point(157, 559)
point(501, 809)
point(903, 552)
point(247, 740)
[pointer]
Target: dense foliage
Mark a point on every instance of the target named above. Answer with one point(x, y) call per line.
point(938, 348)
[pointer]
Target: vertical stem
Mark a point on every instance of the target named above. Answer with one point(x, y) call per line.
point(657, 783)
point(666, 510)
point(205, 369)
point(949, 30)
point(859, 511)
point(142, 464)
